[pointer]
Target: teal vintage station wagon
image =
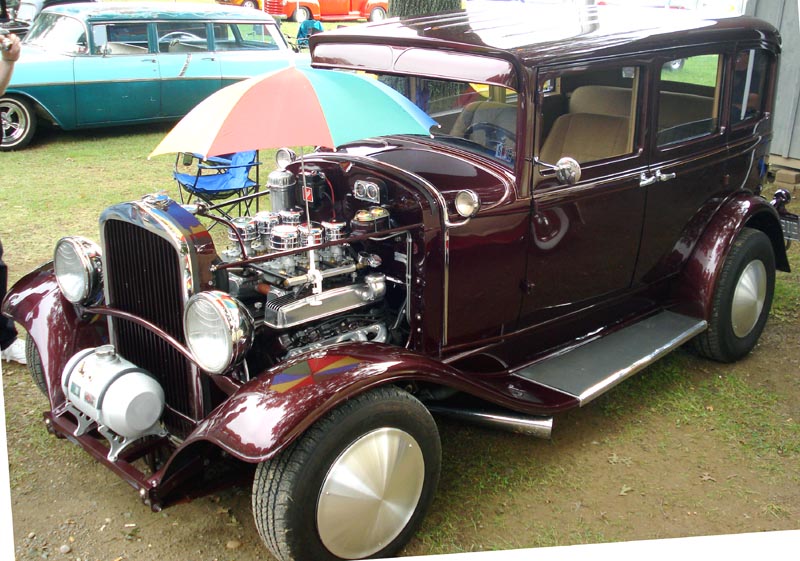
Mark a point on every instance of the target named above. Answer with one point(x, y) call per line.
point(103, 64)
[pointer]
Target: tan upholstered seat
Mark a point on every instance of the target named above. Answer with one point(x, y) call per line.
point(586, 137)
point(602, 100)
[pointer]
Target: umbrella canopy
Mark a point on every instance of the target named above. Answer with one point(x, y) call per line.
point(294, 107)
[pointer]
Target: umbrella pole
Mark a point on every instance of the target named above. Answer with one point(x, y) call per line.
point(314, 276)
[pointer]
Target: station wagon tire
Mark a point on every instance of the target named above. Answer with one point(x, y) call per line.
point(34, 361)
point(19, 122)
point(301, 14)
point(377, 14)
point(742, 298)
point(297, 495)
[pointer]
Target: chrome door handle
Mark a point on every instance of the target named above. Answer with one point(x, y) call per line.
point(644, 181)
point(664, 176)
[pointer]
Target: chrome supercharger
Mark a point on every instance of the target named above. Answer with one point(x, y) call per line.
point(108, 393)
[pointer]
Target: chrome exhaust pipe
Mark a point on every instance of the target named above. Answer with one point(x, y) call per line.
point(540, 427)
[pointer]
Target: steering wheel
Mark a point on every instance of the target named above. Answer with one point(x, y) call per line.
point(494, 133)
point(180, 35)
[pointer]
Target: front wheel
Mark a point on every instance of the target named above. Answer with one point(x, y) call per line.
point(741, 300)
point(250, 4)
point(19, 123)
point(357, 484)
point(377, 14)
point(301, 14)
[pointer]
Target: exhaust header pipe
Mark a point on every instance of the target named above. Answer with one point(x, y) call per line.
point(540, 427)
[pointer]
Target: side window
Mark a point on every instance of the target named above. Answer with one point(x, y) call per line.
point(243, 36)
point(688, 98)
point(120, 38)
point(589, 116)
point(182, 37)
point(749, 83)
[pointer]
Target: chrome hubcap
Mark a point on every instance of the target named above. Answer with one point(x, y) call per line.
point(370, 493)
point(14, 122)
point(748, 298)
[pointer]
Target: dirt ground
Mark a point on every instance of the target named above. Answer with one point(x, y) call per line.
point(622, 468)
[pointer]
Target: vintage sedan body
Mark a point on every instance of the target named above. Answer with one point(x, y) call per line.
point(103, 64)
point(582, 211)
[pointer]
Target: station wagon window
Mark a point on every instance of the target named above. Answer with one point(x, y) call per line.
point(243, 36)
point(688, 98)
point(182, 37)
point(120, 38)
point(749, 82)
point(588, 116)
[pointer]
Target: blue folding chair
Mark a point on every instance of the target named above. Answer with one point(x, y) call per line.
point(219, 178)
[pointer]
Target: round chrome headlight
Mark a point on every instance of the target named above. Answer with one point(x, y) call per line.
point(284, 157)
point(79, 270)
point(467, 203)
point(219, 330)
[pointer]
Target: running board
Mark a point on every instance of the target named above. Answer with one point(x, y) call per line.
point(594, 368)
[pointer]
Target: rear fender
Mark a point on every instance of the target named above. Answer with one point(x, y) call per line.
point(35, 302)
point(270, 411)
point(698, 280)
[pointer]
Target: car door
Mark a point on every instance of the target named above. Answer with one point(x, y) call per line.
point(116, 75)
point(584, 237)
point(688, 179)
point(190, 70)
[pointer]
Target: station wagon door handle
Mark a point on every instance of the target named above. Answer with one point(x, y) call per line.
point(644, 180)
point(664, 176)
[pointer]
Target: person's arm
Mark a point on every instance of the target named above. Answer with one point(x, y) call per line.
point(11, 51)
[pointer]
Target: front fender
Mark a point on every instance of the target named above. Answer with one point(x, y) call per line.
point(698, 280)
point(35, 302)
point(269, 412)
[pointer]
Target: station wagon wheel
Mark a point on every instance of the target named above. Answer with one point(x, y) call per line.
point(301, 14)
point(377, 14)
point(741, 300)
point(19, 122)
point(355, 485)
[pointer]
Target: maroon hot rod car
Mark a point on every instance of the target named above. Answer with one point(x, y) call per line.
point(583, 210)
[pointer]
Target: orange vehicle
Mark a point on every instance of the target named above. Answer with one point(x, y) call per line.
point(326, 10)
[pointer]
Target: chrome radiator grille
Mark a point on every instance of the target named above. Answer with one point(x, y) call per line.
point(143, 278)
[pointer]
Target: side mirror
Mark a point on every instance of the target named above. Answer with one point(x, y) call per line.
point(568, 171)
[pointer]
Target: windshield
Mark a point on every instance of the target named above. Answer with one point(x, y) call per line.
point(58, 33)
point(473, 116)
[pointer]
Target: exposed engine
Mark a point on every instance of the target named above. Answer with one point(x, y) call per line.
point(298, 292)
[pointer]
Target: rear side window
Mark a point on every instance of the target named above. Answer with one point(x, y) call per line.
point(243, 36)
point(749, 79)
point(688, 98)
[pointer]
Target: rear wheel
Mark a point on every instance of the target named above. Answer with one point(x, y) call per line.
point(742, 298)
point(250, 4)
point(301, 14)
point(355, 485)
point(19, 122)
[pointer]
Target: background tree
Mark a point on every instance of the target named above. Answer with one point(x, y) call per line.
point(421, 7)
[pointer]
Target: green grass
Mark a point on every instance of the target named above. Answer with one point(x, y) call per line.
point(699, 70)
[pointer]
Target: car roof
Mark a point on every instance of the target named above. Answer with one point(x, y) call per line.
point(546, 33)
point(110, 11)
